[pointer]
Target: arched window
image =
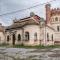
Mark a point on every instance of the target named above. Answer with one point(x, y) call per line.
point(56, 19)
point(35, 37)
point(13, 38)
point(19, 37)
point(8, 38)
point(57, 28)
point(27, 36)
point(52, 37)
point(47, 37)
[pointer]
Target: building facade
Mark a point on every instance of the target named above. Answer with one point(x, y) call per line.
point(34, 30)
point(2, 34)
point(53, 20)
point(26, 31)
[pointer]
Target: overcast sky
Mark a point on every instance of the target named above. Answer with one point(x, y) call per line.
point(7, 6)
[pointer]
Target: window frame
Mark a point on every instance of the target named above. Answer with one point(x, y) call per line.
point(8, 38)
point(27, 36)
point(19, 37)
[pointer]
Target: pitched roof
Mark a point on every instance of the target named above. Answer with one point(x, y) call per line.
point(25, 21)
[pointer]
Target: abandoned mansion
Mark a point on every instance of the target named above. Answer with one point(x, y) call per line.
point(33, 30)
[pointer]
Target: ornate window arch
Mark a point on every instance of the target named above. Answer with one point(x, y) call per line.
point(27, 36)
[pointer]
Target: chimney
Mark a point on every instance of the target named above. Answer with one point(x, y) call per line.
point(48, 13)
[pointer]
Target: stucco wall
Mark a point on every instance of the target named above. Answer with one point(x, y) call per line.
point(2, 37)
point(50, 32)
point(32, 29)
point(54, 25)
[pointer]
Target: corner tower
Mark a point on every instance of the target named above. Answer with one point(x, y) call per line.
point(48, 13)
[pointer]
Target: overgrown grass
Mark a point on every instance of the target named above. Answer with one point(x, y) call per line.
point(37, 46)
point(23, 46)
point(4, 45)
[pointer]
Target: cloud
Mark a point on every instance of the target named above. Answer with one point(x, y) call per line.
point(13, 5)
point(1, 21)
